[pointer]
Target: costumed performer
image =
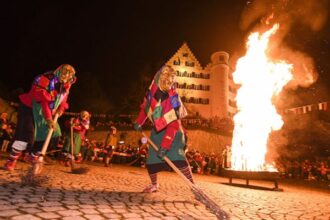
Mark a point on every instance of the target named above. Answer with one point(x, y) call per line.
point(47, 96)
point(164, 108)
point(79, 126)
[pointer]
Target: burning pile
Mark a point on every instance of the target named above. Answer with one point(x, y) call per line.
point(260, 79)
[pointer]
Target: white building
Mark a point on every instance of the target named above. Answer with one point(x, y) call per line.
point(208, 92)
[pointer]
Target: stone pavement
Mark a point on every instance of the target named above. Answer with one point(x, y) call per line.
point(115, 193)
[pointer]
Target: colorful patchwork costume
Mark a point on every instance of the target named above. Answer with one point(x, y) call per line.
point(48, 95)
point(163, 106)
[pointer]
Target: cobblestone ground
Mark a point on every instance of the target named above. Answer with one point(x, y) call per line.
point(115, 193)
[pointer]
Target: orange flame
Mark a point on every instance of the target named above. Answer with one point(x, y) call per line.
point(260, 79)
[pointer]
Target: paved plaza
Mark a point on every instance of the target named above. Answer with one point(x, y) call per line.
point(115, 193)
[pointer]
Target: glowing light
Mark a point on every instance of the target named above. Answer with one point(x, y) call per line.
point(260, 79)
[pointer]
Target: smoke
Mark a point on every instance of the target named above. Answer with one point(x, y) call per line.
point(259, 15)
point(312, 13)
point(305, 17)
point(304, 72)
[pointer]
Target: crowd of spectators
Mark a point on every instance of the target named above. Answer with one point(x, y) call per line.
point(200, 162)
point(99, 125)
point(210, 163)
point(97, 151)
point(306, 169)
point(124, 123)
point(120, 154)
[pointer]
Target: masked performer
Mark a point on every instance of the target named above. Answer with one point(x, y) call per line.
point(79, 127)
point(163, 107)
point(47, 96)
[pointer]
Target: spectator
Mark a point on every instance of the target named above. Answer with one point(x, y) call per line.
point(226, 157)
point(7, 136)
point(110, 145)
point(200, 162)
point(323, 172)
point(211, 168)
point(3, 128)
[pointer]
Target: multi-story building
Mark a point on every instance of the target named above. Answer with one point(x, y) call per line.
point(207, 92)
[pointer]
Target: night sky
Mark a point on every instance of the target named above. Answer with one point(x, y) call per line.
point(111, 43)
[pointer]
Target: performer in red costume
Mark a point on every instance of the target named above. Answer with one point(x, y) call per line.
point(79, 125)
point(163, 106)
point(47, 96)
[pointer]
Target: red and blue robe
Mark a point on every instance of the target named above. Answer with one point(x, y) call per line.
point(79, 128)
point(46, 95)
point(164, 110)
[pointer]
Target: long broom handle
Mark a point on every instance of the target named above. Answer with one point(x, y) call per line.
point(170, 163)
point(49, 136)
point(71, 140)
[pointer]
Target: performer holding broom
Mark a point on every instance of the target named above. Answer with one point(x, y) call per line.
point(163, 107)
point(78, 127)
point(47, 97)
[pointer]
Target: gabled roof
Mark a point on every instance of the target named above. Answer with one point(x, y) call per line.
point(184, 54)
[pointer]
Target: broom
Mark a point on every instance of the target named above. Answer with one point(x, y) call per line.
point(32, 176)
point(199, 194)
point(72, 162)
point(80, 170)
point(37, 167)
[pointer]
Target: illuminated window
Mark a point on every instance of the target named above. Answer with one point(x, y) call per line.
point(191, 64)
point(195, 100)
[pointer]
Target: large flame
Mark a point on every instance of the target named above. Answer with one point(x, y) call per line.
point(260, 79)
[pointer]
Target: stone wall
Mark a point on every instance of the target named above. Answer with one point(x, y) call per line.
point(200, 140)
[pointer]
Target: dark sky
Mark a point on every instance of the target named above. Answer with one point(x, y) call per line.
point(111, 42)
